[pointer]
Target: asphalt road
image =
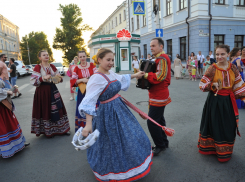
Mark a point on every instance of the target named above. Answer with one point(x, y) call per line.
point(56, 160)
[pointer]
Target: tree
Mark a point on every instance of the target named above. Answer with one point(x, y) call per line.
point(37, 41)
point(69, 37)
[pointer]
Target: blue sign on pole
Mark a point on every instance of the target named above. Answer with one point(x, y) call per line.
point(159, 32)
point(139, 8)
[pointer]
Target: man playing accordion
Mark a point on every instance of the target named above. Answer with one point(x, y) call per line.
point(158, 94)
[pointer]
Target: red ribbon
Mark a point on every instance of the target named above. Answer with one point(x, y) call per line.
point(225, 92)
point(169, 131)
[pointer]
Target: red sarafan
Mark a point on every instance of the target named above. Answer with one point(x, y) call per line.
point(124, 34)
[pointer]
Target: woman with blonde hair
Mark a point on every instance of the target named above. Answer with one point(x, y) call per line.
point(49, 115)
point(71, 69)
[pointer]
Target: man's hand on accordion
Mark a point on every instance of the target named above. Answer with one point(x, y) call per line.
point(138, 75)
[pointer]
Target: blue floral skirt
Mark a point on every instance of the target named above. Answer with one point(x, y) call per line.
point(123, 150)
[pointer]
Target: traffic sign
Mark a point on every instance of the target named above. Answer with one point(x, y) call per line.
point(159, 32)
point(138, 8)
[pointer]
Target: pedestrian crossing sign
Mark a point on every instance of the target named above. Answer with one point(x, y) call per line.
point(139, 8)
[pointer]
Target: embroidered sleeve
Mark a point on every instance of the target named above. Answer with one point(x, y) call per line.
point(95, 86)
point(239, 85)
point(161, 73)
point(205, 84)
point(36, 77)
point(74, 77)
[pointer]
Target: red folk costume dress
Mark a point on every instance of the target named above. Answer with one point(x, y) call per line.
point(220, 115)
point(159, 98)
point(79, 73)
point(49, 115)
point(11, 137)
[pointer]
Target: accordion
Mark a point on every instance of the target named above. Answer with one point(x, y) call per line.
point(146, 66)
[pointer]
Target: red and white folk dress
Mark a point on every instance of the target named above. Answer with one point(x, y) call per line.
point(49, 115)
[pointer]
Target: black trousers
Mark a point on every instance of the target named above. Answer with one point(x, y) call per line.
point(172, 71)
point(158, 135)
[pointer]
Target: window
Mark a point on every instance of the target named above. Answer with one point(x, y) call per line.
point(238, 41)
point(109, 27)
point(219, 1)
point(124, 15)
point(182, 4)
point(159, 4)
point(120, 18)
point(116, 21)
point(138, 21)
point(218, 40)
point(183, 48)
point(132, 20)
point(145, 51)
point(144, 20)
point(169, 7)
point(106, 28)
point(240, 2)
point(169, 47)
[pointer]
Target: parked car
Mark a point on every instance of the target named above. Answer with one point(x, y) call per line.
point(60, 68)
point(33, 65)
point(30, 67)
point(20, 67)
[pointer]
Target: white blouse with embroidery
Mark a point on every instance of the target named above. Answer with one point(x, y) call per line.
point(95, 86)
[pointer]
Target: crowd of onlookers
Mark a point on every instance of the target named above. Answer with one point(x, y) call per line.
point(196, 65)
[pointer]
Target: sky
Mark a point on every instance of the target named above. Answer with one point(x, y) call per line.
point(34, 15)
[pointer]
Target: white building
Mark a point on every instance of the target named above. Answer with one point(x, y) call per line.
point(9, 38)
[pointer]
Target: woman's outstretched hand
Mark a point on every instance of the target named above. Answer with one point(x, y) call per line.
point(138, 75)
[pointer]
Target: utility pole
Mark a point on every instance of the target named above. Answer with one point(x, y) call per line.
point(28, 50)
point(157, 14)
point(28, 53)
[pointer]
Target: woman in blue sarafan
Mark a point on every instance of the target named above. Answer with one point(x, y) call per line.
point(236, 60)
point(122, 151)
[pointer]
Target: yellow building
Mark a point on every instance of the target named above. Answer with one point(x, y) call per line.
point(9, 38)
point(115, 22)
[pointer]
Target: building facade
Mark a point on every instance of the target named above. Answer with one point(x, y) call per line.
point(115, 22)
point(190, 25)
point(9, 39)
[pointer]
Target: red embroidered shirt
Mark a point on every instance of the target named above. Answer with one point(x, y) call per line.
point(159, 93)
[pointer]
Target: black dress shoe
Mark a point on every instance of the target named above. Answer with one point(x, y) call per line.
point(14, 97)
point(68, 133)
point(19, 95)
point(157, 150)
point(27, 144)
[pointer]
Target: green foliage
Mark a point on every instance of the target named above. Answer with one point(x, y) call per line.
point(69, 37)
point(37, 41)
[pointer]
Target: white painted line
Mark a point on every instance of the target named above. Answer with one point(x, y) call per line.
point(23, 86)
point(33, 89)
point(68, 84)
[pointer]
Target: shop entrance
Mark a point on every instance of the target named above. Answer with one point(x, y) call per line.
point(124, 59)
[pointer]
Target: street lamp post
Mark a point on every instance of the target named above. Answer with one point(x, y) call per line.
point(28, 50)
point(28, 53)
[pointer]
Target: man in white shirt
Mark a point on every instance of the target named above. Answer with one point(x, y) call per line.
point(200, 59)
point(211, 55)
point(135, 64)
